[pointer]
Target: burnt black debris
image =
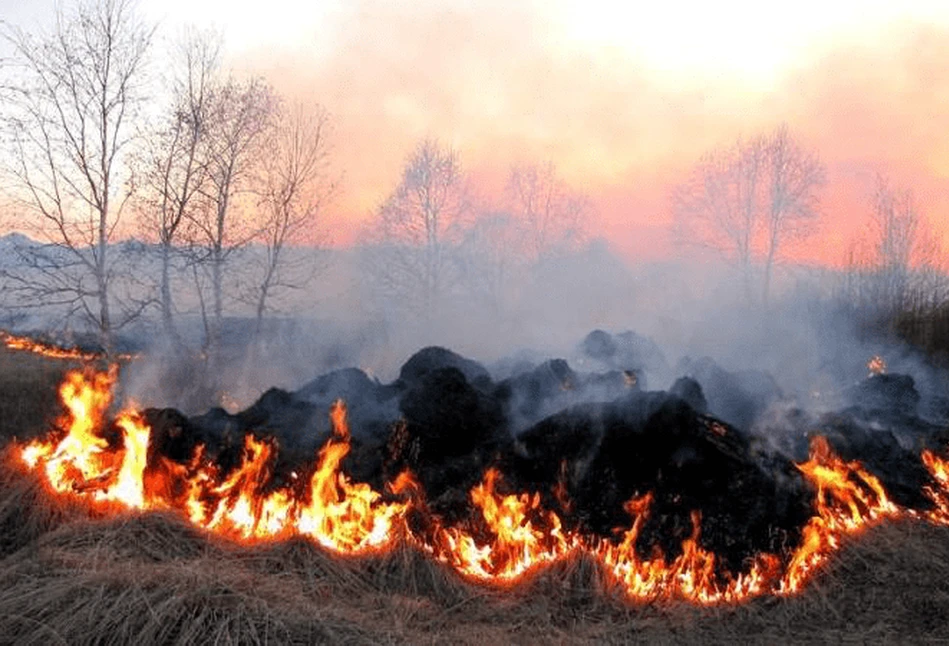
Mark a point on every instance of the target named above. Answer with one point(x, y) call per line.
point(452, 432)
point(624, 351)
point(720, 444)
point(690, 391)
point(655, 442)
point(433, 358)
point(887, 393)
point(738, 398)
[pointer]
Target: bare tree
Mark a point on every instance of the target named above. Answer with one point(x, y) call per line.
point(718, 207)
point(794, 177)
point(240, 116)
point(905, 251)
point(295, 187)
point(412, 259)
point(895, 277)
point(491, 252)
point(748, 200)
point(550, 213)
point(68, 117)
point(175, 156)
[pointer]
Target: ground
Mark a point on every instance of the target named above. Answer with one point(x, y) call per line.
point(66, 577)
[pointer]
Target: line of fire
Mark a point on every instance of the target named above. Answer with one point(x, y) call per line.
point(672, 502)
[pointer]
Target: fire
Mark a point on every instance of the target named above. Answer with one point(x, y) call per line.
point(876, 365)
point(691, 576)
point(38, 347)
point(523, 536)
point(939, 470)
point(338, 514)
point(26, 344)
point(81, 456)
point(512, 534)
point(848, 500)
point(341, 515)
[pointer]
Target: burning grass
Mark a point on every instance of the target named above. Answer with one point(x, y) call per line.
point(109, 465)
point(71, 572)
point(154, 578)
point(29, 403)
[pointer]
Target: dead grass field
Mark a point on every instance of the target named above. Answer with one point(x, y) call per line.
point(68, 578)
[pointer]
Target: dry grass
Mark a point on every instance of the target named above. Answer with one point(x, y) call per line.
point(28, 398)
point(67, 577)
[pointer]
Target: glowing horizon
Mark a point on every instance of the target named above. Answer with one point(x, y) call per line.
point(622, 100)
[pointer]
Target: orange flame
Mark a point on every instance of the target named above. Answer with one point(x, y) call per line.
point(26, 344)
point(52, 351)
point(523, 536)
point(691, 576)
point(939, 494)
point(513, 534)
point(876, 365)
point(848, 500)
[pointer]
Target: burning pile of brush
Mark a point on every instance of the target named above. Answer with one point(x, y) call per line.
point(498, 478)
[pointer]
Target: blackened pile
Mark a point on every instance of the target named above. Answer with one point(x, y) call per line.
point(588, 442)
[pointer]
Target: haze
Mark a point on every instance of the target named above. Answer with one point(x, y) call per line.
point(622, 100)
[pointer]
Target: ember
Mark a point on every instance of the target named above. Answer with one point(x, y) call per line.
point(876, 365)
point(52, 351)
point(673, 503)
point(27, 344)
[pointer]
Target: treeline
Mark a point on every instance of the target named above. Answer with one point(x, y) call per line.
point(107, 137)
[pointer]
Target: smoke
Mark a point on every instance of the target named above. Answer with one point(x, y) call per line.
point(659, 322)
point(504, 86)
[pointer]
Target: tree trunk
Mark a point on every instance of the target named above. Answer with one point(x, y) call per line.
point(167, 315)
point(217, 311)
point(769, 263)
point(262, 303)
point(102, 279)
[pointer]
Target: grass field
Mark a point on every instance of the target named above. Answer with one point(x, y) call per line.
point(69, 578)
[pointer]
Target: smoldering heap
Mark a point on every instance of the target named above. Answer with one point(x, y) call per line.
point(718, 446)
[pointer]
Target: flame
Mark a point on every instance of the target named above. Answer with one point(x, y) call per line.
point(342, 515)
point(876, 365)
point(522, 535)
point(338, 514)
point(510, 535)
point(939, 494)
point(81, 455)
point(691, 576)
point(848, 500)
point(26, 344)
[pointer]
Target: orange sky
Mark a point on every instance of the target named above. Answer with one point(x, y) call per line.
point(623, 103)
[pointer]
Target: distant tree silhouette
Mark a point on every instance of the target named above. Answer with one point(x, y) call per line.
point(293, 187)
point(175, 158)
point(748, 200)
point(416, 227)
point(550, 214)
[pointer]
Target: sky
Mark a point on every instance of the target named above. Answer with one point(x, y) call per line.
point(622, 97)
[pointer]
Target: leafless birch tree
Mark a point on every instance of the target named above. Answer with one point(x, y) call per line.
point(794, 177)
point(295, 186)
point(906, 254)
point(412, 259)
point(749, 200)
point(175, 156)
point(550, 214)
point(239, 119)
point(69, 107)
